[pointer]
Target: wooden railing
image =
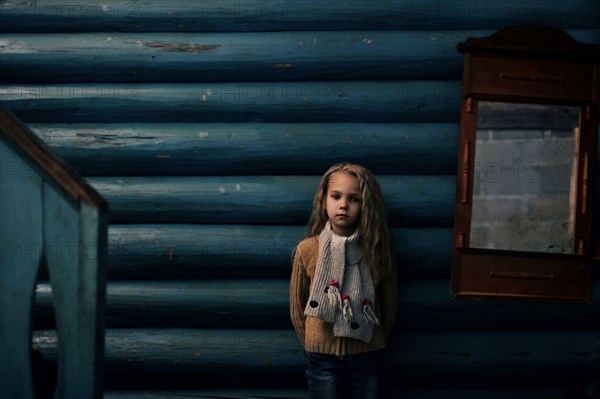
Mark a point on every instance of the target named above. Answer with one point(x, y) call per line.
point(50, 217)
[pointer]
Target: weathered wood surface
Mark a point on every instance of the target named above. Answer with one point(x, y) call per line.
point(49, 216)
point(252, 148)
point(440, 344)
point(271, 200)
point(264, 304)
point(38, 161)
point(325, 101)
point(539, 393)
point(188, 304)
point(172, 358)
point(73, 249)
point(277, 15)
point(232, 57)
point(212, 394)
point(150, 251)
point(21, 240)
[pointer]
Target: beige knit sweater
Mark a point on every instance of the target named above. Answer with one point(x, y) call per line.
point(317, 335)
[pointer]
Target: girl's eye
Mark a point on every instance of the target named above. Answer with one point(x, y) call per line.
point(335, 196)
point(355, 199)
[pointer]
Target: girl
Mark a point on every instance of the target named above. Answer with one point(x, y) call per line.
point(343, 285)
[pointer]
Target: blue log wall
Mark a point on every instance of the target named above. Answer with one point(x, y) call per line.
point(206, 125)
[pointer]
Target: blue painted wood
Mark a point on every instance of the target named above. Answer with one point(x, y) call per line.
point(204, 57)
point(277, 15)
point(170, 358)
point(327, 101)
point(263, 304)
point(225, 251)
point(483, 392)
point(212, 394)
point(252, 148)
point(425, 306)
point(276, 200)
point(235, 57)
point(49, 215)
point(21, 243)
point(72, 234)
point(214, 304)
point(423, 393)
point(166, 250)
point(522, 355)
point(193, 358)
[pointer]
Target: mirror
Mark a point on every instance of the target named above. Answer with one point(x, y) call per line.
point(525, 177)
point(525, 172)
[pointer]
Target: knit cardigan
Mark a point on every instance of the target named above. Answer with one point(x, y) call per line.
point(317, 335)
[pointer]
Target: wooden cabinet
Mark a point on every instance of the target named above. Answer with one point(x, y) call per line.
point(526, 166)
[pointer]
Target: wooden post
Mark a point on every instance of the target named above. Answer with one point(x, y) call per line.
point(49, 215)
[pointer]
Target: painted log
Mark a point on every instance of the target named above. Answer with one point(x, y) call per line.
point(231, 57)
point(276, 200)
point(557, 392)
point(197, 359)
point(150, 251)
point(255, 393)
point(515, 393)
point(169, 304)
point(324, 101)
point(277, 15)
point(252, 148)
point(424, 305)
point(392, 393)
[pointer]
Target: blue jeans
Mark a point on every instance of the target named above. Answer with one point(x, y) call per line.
point(353, 376)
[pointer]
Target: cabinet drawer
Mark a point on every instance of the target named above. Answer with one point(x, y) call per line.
point(504, 274)
point(550, 80)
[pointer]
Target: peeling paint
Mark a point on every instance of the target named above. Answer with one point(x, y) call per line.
point(206, 95)
point(222, 190)
point(13, 46)
point(283, 66)
point(180, 47)
point(203, 134)
point(367, 40)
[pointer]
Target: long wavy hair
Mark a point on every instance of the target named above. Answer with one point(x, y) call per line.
point(376, 239)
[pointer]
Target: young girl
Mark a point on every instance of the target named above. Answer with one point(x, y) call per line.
point(343, 286)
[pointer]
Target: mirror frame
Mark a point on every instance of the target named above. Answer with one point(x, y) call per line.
point(538, 65)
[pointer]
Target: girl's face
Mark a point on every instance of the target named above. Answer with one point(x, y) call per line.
point(343, 203)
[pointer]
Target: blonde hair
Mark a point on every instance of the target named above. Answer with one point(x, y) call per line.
point(376, 239)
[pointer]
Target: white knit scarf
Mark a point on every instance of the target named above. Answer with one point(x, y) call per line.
point(342, 290)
